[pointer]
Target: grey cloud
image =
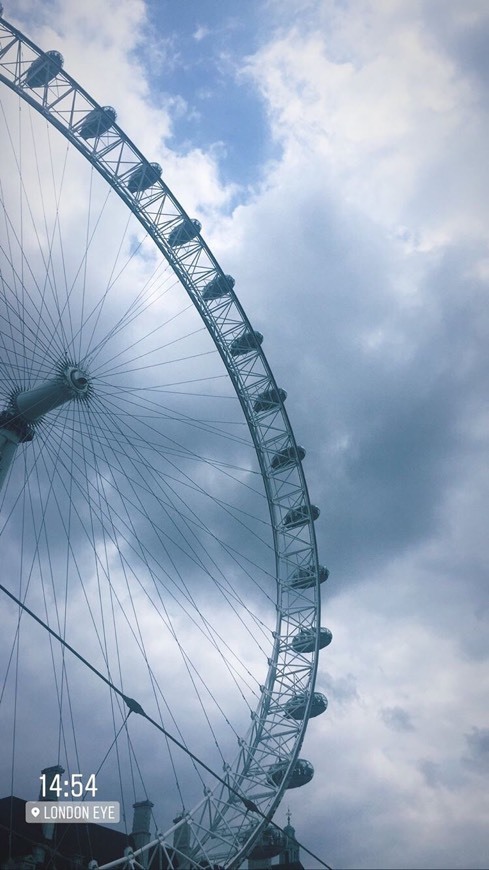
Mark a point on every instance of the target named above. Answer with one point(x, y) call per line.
point(397, 719)
point(463, 38)
point(446, 774)
point(382, 433)
point(342, 690)
point(478, 746)
point(431, 772)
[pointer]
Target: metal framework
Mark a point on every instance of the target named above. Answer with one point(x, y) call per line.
point(220, 829)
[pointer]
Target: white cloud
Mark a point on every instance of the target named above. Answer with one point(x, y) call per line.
point(114, 55)
point(363, 257)
point(370, 96)
point(201, 33)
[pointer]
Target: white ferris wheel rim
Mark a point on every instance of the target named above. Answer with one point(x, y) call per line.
point(297, 637)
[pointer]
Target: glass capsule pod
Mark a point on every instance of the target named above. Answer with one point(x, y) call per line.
point(302, 772)
point(246, 342)
point(305, 640)
point(97, 122)
point(143, 176)
point(44, 69)
point(288, 456)
point(295, 708)
point(219, 286)
point(269, 399)
point(270, 843)
point(184, 232)
point(305, 578)
point(300, 516)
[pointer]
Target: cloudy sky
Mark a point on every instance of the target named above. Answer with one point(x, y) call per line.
point(333, 152)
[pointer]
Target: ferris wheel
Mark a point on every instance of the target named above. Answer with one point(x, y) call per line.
point(154, 510)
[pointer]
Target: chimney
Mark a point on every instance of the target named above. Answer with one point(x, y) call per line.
point(140, 827)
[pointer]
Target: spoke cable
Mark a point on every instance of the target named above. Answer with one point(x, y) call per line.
point(134, 707)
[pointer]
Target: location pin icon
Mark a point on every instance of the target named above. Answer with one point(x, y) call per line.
point(35, 811)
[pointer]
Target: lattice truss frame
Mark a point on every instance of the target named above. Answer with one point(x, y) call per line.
point(220, 821)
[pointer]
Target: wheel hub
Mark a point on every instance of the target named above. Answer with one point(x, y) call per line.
point(77, 380)
point(71, 382)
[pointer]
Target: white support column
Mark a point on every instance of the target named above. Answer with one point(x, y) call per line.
point(30, 406)
point(9, 442)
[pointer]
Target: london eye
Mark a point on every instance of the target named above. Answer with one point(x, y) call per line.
point(154, 509)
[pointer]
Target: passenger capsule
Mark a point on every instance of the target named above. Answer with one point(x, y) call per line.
point(288, 456)
point(305, 641)
point(97, 122)
point(295, 708)
point(219, 286)
point(302, 773)
point(300, 516)
point(305, 578)
point(269, 399)
point(270, 843)
point(246, 342)
point(143, 176)
point(184, 232)
point(44, 69)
